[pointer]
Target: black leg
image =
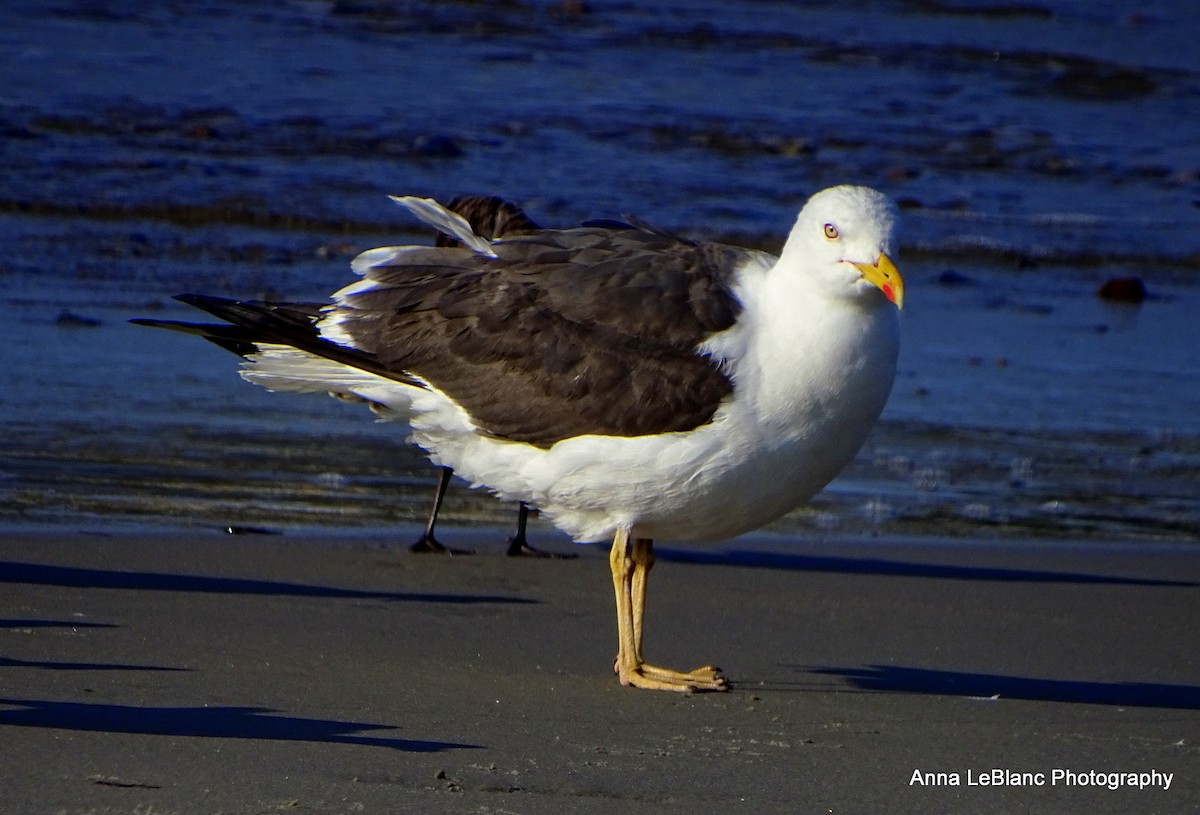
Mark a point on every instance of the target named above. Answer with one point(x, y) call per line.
point(428, 543)
point(518, 546)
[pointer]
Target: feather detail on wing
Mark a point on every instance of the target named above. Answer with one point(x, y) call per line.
point(562, 333)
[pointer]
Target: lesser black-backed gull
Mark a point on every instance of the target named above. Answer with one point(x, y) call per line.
point(489, 217)
point(626, 382)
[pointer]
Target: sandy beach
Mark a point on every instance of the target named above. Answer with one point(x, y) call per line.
point(204, 673)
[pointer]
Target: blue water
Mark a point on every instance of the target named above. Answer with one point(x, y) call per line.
point(1036, 148)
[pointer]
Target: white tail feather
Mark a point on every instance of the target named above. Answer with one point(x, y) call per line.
point(283, 368)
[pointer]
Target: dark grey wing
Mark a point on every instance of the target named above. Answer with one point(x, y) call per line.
point(564, 333)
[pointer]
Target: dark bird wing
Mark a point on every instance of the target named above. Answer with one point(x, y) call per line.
point(563, 333)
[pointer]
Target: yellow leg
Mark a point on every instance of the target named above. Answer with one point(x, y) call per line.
point(643, 562)
point(631, 563)
point(621, 563)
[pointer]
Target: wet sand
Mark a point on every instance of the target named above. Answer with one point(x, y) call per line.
point(202, 673)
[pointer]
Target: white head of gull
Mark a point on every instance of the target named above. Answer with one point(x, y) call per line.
point(628, 383)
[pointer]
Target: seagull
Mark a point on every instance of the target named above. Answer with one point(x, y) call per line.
point(488, 216)
point(629, 383)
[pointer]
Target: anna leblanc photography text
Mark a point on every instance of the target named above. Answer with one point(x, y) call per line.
point(1000, 777)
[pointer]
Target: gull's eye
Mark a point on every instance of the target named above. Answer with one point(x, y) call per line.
point(831, 232)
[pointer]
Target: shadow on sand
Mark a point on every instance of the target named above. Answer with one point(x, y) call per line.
point(898, 568)
point(46, 665)
point(898, 679)
point(83, 578)
point(205, 722)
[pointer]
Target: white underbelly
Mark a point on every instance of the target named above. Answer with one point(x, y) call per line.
point(714, 482)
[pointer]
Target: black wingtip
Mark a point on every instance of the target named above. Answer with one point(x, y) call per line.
point(204, 302)
point(252, 322)
point(229, 337)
